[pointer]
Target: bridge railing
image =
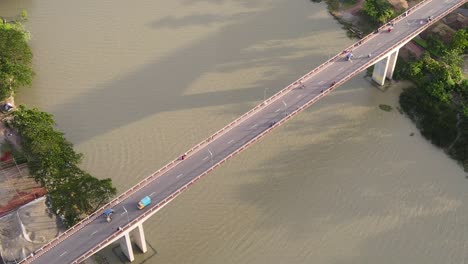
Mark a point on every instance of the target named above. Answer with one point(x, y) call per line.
point(246, 115)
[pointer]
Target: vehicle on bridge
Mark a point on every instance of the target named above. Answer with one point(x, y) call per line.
point(108, 214)
point(144, 202)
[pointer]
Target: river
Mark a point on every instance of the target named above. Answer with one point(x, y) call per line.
point(133, 84)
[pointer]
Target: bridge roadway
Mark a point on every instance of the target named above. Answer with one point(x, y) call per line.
point(273, 112)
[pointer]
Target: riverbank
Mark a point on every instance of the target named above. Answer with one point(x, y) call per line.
point(442, 121)
point(349, 14)
point(17, 187)
point(25, 221)
point(27, 229)
point(35, 157)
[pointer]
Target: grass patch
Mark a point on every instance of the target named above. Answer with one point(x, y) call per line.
point(421, 42)
point(100, 259)
point(348, 3)
point(385, 107)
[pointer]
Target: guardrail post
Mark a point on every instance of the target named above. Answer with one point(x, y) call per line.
point(126, 246)
point(139, 237)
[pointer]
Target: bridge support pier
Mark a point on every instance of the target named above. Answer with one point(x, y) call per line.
point(126, 246)
point(139, 236)
point(385, 68)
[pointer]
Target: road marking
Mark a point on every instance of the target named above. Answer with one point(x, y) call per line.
point(321, 82)
point(63, 253)
point(152, 193)
point(205, 158)
point(254, 126)
point(93, 233)
point(340, 69)
point(277, 110)
point(122, 213)
point(232, 140)
point(380, 43)
point(299, 96)
point(397, 31)
point(179, 175)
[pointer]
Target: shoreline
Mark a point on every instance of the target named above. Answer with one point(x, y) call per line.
point(351, 19)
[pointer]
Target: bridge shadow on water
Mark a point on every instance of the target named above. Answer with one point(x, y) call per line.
point(138, 94)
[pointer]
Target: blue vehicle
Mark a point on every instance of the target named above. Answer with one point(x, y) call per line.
point(144, 202)
point(108, 214)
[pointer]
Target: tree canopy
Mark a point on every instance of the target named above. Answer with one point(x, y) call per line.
point(380, 11)
point(15, 58)
point(54, 164)
point(439, 102)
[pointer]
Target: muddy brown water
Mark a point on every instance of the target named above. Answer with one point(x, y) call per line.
point(135, 84)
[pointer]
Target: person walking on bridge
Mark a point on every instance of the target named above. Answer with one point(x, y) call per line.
point(301, 85)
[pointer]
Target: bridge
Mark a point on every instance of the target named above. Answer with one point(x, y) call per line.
point(379, 48)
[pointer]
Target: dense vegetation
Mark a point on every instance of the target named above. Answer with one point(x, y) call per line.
point(438, 104)
point(379, 11)
point(54, 164)
point(15, 57)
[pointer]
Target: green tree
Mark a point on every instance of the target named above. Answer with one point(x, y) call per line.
point(53, 163)
point(46, 149)
point(80, 196)
point(460, 41)
point(15, 59)
point(380, 11)
point(435, 45)
point(439, 102)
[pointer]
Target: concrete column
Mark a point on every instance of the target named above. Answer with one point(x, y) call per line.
point(126, 246)
point(139, 237)
point(380, 71)
point(385, 68)
point(392, 59)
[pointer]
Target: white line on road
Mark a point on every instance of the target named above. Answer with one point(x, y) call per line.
point(340, 69)
point(63, 253)
point(93, 233)
point(254, 126)
point(277, 110)
point(179, 175)
point(122, 213)
point(232, 140)
point(205, 158)
point(321, 82)
point(299, 96)
point(152, 193)
point(380, 43)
